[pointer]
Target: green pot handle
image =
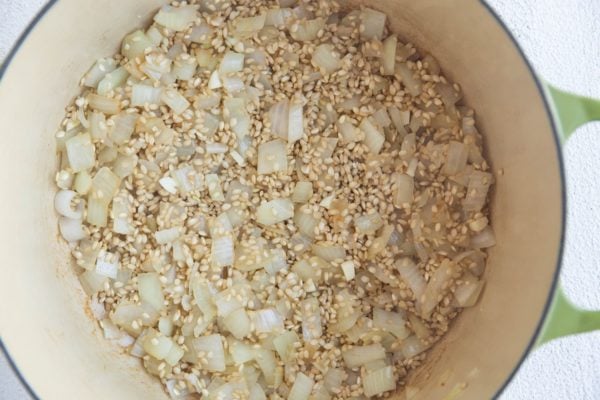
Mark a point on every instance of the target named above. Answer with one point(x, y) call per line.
point(570, 112)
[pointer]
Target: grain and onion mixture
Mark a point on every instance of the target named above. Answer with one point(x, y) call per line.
point(274, 200)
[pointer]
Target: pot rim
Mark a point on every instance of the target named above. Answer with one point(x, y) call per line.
point(531, 345)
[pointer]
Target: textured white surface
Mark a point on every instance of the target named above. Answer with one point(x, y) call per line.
point(561, 38)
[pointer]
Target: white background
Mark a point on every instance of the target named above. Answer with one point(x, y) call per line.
point(562, 40)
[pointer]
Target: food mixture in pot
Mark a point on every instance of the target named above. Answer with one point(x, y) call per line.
point(273, 199)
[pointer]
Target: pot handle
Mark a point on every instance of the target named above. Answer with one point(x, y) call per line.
point(570, 111)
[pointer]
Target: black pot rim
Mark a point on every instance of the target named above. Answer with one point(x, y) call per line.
point(16, 47)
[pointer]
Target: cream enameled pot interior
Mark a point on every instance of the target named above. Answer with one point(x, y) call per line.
point(43, 321)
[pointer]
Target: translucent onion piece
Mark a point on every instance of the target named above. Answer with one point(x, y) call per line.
point(274, 211)
point(360, 355)
point(379, 381)
point(334, 379)
point(348, 270)
point(98, 71)
point(222, 252)
point(71, 229)
point(112, 80)
point(382, 118)
point(246, 27)
point(233, 84)
point(329, 252)
point(403, 189)
point(303, 191)
point(150, 290)
point(144, 94)
point(167, 235)
point(210, 348)
point(215, 81)
point(135, 44)
point(176, 18)
point(285, 345)
point(97, 212)
point(184, 67)
point(214, 187)
point(124, 165)
point(380, 243)
point(412, 84)
point(124, 125)
point(468, 290)
point(412, 346)
point(326, 58)
point(388, 59)
point(237, 111)
point(267, 320)
point(231, 62)
point(81, 152)
point(391, 322)
point(307, 30)
point(374, 24)
point(125, 314)
point(436, 287)
point(477, 190)
point(238, 323)
point(267, 362)
point(208, 101)
point(306, 223)
point(374, 138)
point(277, 16)
point(64, 202)
point(276, 261)
point(295, 123)
point(187, 179)
point(456, 160)
point(240, 352)
point(103, 104)
point(257, 393)
point(311, 319)
point(302, 387)
point(400, 119)
point(483, 239)
point(408, 147)
point(350, 133)
point(177, 102)
point(279, 117)
point(368, 223)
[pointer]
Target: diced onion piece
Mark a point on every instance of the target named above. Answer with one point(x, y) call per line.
point(295, 123)
point(350, 133)
point(169, 184)
point(380, 243)
point(231, 62)
point(175, 354)
point(272, 157)
point(302, 192)
point(135, 44)
point(64, 202)
point(267, 363)
point(154, 35)
point(71, 229)
point(98, 71)
point(214, 81)
point(184, 68)
point(306, 223)
point(124, 125)
point(285, 345)
point(206, 59)
point(216, 148)
point(233, 84)
point(408, 79)
point(103, 104)
point(240, 352)
point(391, 322)
point(222, 252)
point(214, 187)
point(388, 59)
point(142, 94)
point(408, 147)
point(373, 22)
point(456, 160)
point(400, 119)
point(124, 165)
point(468, 290)
point(267, 320)
point(98, 127)
point(175, 100)
point(368, 223)
point(477, 190)
point(302, 387)
point(360, 355)
point(208, 101)
point(379, 381)
point(436, 287)
point(121, 214)
point(238, 323)
point(176, 18)
point(381, 118)
point(236, 107)
point(279, 117)
point(307, 30)
point(311, 319)
point(150, 290)
point(212, 349)
point(403, 189)
point(274, 211)
point(348, 270)
point(326, 58)
point(105, 185)
point(187, 179)
point(112, 80)
point(412, 346)
point(92, 282)
point(97, 212)
point(276, 261)
point(201, 33)
point(374, 138)
point(334, 379)
point(246, 27)
point(329, 252)
point(83, 182)
point(483, 239)
point(81, 152)
point(167, 235)
point(277, 16)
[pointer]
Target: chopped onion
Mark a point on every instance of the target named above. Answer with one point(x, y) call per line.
point(112, 80)
point(64, 202)
point(279, 117)
point(408, 148)
point(306, 223)
point(206, 60)
point(267, 362)
point(124, 165)
point(302, 387)
point(285, 345)
point(348, 270)
point(467, 292)
point(272, 157)
point(248, 26)
point(368, 223)
point(175, 101)
point(214, 187)
point(187, 179)
point(276, 261)
point(98, 71)
point(333, 379)
point(121, 214)
point(412, 84)
point(391, 322)
point(222, 252)
point(400, 119)
point(350, 133)
point(231, 62)
point(126, 313)
point(388, 59)
point(382, 118)
point(236, 108)
point(144, 94)
point(267, 320)
point(97, 211)
point(436, 287)
point(233, 84)
point(238, 323)
point(483, 239)
point(124, 125)
point(274, 211)
point(212, 348)
point(403, 190)
point(373, 138)
point(456, 160)
point(277, 16)
point(326, 58)
point(412, 346)
point(311, 319)
point(176, 18)
point(477, 190)
point(71, 229)
point(295, 123)
point(307, 30)
point(208, 101)
point(360, 355)
point(135, 44)
point(167, 235)
point(329, 252)
point(81, 152)
point(379, 381)
point(92, 282)
point(185, 68)
point(410, 274)
point(103, 104)
point(373, 22)
point(216, 148)
point(240, 352)
point(150, 290)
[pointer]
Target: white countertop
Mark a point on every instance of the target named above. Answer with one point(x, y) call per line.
point(562, 40)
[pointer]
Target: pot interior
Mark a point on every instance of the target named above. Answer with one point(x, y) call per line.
point(49, 333)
